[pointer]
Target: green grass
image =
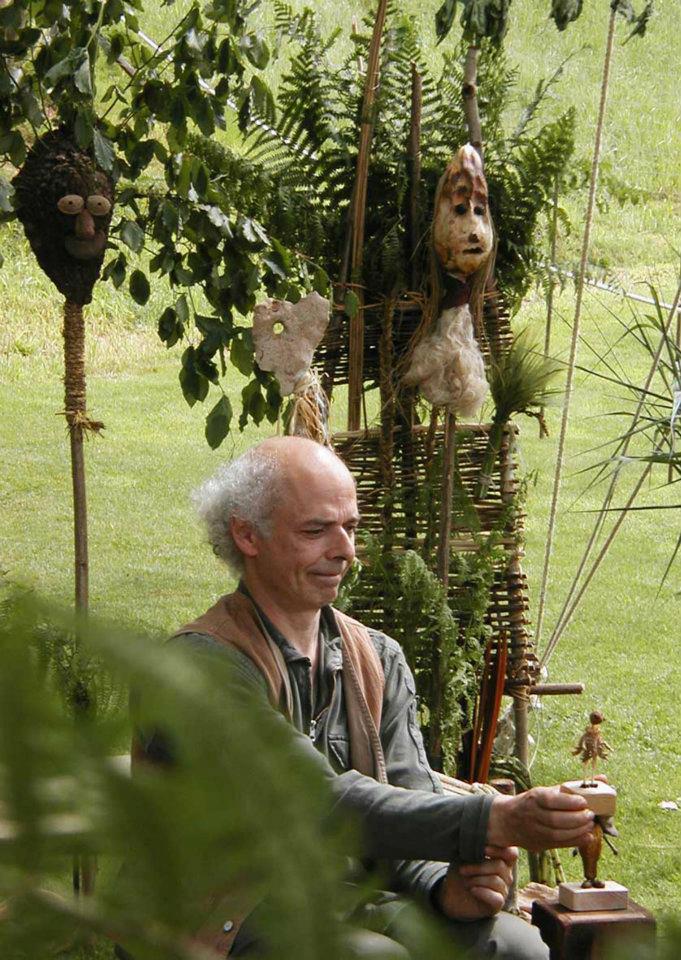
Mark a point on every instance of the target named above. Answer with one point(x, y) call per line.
point(150, 568)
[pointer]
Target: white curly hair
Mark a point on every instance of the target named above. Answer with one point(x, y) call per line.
point(247, 488)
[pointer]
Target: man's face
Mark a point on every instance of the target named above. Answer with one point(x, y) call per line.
point(312, 541)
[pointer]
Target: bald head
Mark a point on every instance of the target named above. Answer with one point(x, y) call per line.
point(279, 470)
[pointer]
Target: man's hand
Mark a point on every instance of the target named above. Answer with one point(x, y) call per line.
point(478, 890)
point(539, 819)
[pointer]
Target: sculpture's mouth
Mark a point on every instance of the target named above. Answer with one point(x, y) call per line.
point(475, 250)
point(86, 249)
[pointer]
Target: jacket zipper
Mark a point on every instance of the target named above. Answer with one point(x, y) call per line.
point(314, 722)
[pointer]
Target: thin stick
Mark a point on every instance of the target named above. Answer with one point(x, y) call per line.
point(562, 619)
point(470, 99)
point(414, 165)
point(576, 324)
point(356, 346)
point(552, 286)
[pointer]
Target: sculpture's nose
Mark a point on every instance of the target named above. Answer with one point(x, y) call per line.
point(473, 237)
point(85, 225)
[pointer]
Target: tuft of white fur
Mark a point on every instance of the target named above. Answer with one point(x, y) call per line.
point(447, 366)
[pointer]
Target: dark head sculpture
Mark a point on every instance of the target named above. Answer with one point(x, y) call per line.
point(65, 204)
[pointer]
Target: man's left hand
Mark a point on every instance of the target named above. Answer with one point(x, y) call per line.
point(475, 891)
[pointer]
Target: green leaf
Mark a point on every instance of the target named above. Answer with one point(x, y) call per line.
point(132, 235)
point(351, 304)
point(116, 270)
point(83, 129)
point(256, 50)
point(564, 12)
point(82, 76)
point(182, 308)
point(139, 287)
point(194, 386)
point(241, 353)
point(218, 422)
point(170, 329)
point(13, 145)
point(104, 151)
point(66, 67)
point(6, 194)
point(444, 19)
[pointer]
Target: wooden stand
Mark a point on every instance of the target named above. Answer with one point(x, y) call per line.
point(590, 935)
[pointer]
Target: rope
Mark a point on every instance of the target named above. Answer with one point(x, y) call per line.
point(576, 324)
point(565, 617)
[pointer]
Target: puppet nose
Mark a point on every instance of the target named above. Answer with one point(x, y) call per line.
point(85, 225)
point(473, 237)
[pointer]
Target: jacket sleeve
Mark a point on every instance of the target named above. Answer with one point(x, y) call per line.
point(400, 820)
point(407, 766)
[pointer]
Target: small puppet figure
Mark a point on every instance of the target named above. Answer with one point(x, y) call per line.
point(592, 746)
point(65, 204)
point(285, 336)
point(447, 363)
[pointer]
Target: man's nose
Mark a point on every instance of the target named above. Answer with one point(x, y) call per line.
point(85, 225)
point(344, 546)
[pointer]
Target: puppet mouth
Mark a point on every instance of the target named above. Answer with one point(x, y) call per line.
point(476, 250)
point(86, 249)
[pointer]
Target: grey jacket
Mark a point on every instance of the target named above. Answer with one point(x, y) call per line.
point(411, 823)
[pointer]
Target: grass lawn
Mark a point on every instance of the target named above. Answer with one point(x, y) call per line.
point(149, 567)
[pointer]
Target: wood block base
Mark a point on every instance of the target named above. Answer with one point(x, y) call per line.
point(601, 797)
point(590, 935)
point(613, 896)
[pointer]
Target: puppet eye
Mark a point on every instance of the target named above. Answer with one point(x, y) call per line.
point(70, 204)
point(479, 211)
point(460, 208)
point(98, 205)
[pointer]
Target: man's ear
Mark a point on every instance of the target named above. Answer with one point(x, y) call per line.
point(245, 536)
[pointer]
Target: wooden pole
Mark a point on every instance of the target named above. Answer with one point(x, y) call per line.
point(356, 345)
point(84, 867)
point(414, 163)
point(76, 419)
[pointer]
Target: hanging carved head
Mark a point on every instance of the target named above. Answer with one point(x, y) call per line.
point(463, 235)
point(65, 204)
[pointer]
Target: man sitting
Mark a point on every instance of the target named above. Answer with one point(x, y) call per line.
point(283, 517)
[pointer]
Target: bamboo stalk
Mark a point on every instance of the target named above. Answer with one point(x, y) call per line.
point(356, 345)
point(586, 243)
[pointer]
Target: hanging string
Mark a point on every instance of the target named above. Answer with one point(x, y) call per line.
point(576, 324)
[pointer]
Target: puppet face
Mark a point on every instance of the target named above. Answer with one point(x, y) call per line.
point(285, 336)
point(462, 227)
point(65, 205)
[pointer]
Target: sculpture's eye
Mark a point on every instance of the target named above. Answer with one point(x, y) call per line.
point(479, 211)
point(460, 208)
point(71, 204)
point(98, 205)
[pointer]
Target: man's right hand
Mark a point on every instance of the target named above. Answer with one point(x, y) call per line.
point(539, 819)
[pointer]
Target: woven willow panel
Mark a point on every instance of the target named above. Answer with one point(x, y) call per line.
point(402, 505)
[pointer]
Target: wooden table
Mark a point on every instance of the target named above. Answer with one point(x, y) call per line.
point(588, 935)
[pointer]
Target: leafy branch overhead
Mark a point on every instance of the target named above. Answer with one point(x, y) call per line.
point(488, 19)
point(178, 217)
